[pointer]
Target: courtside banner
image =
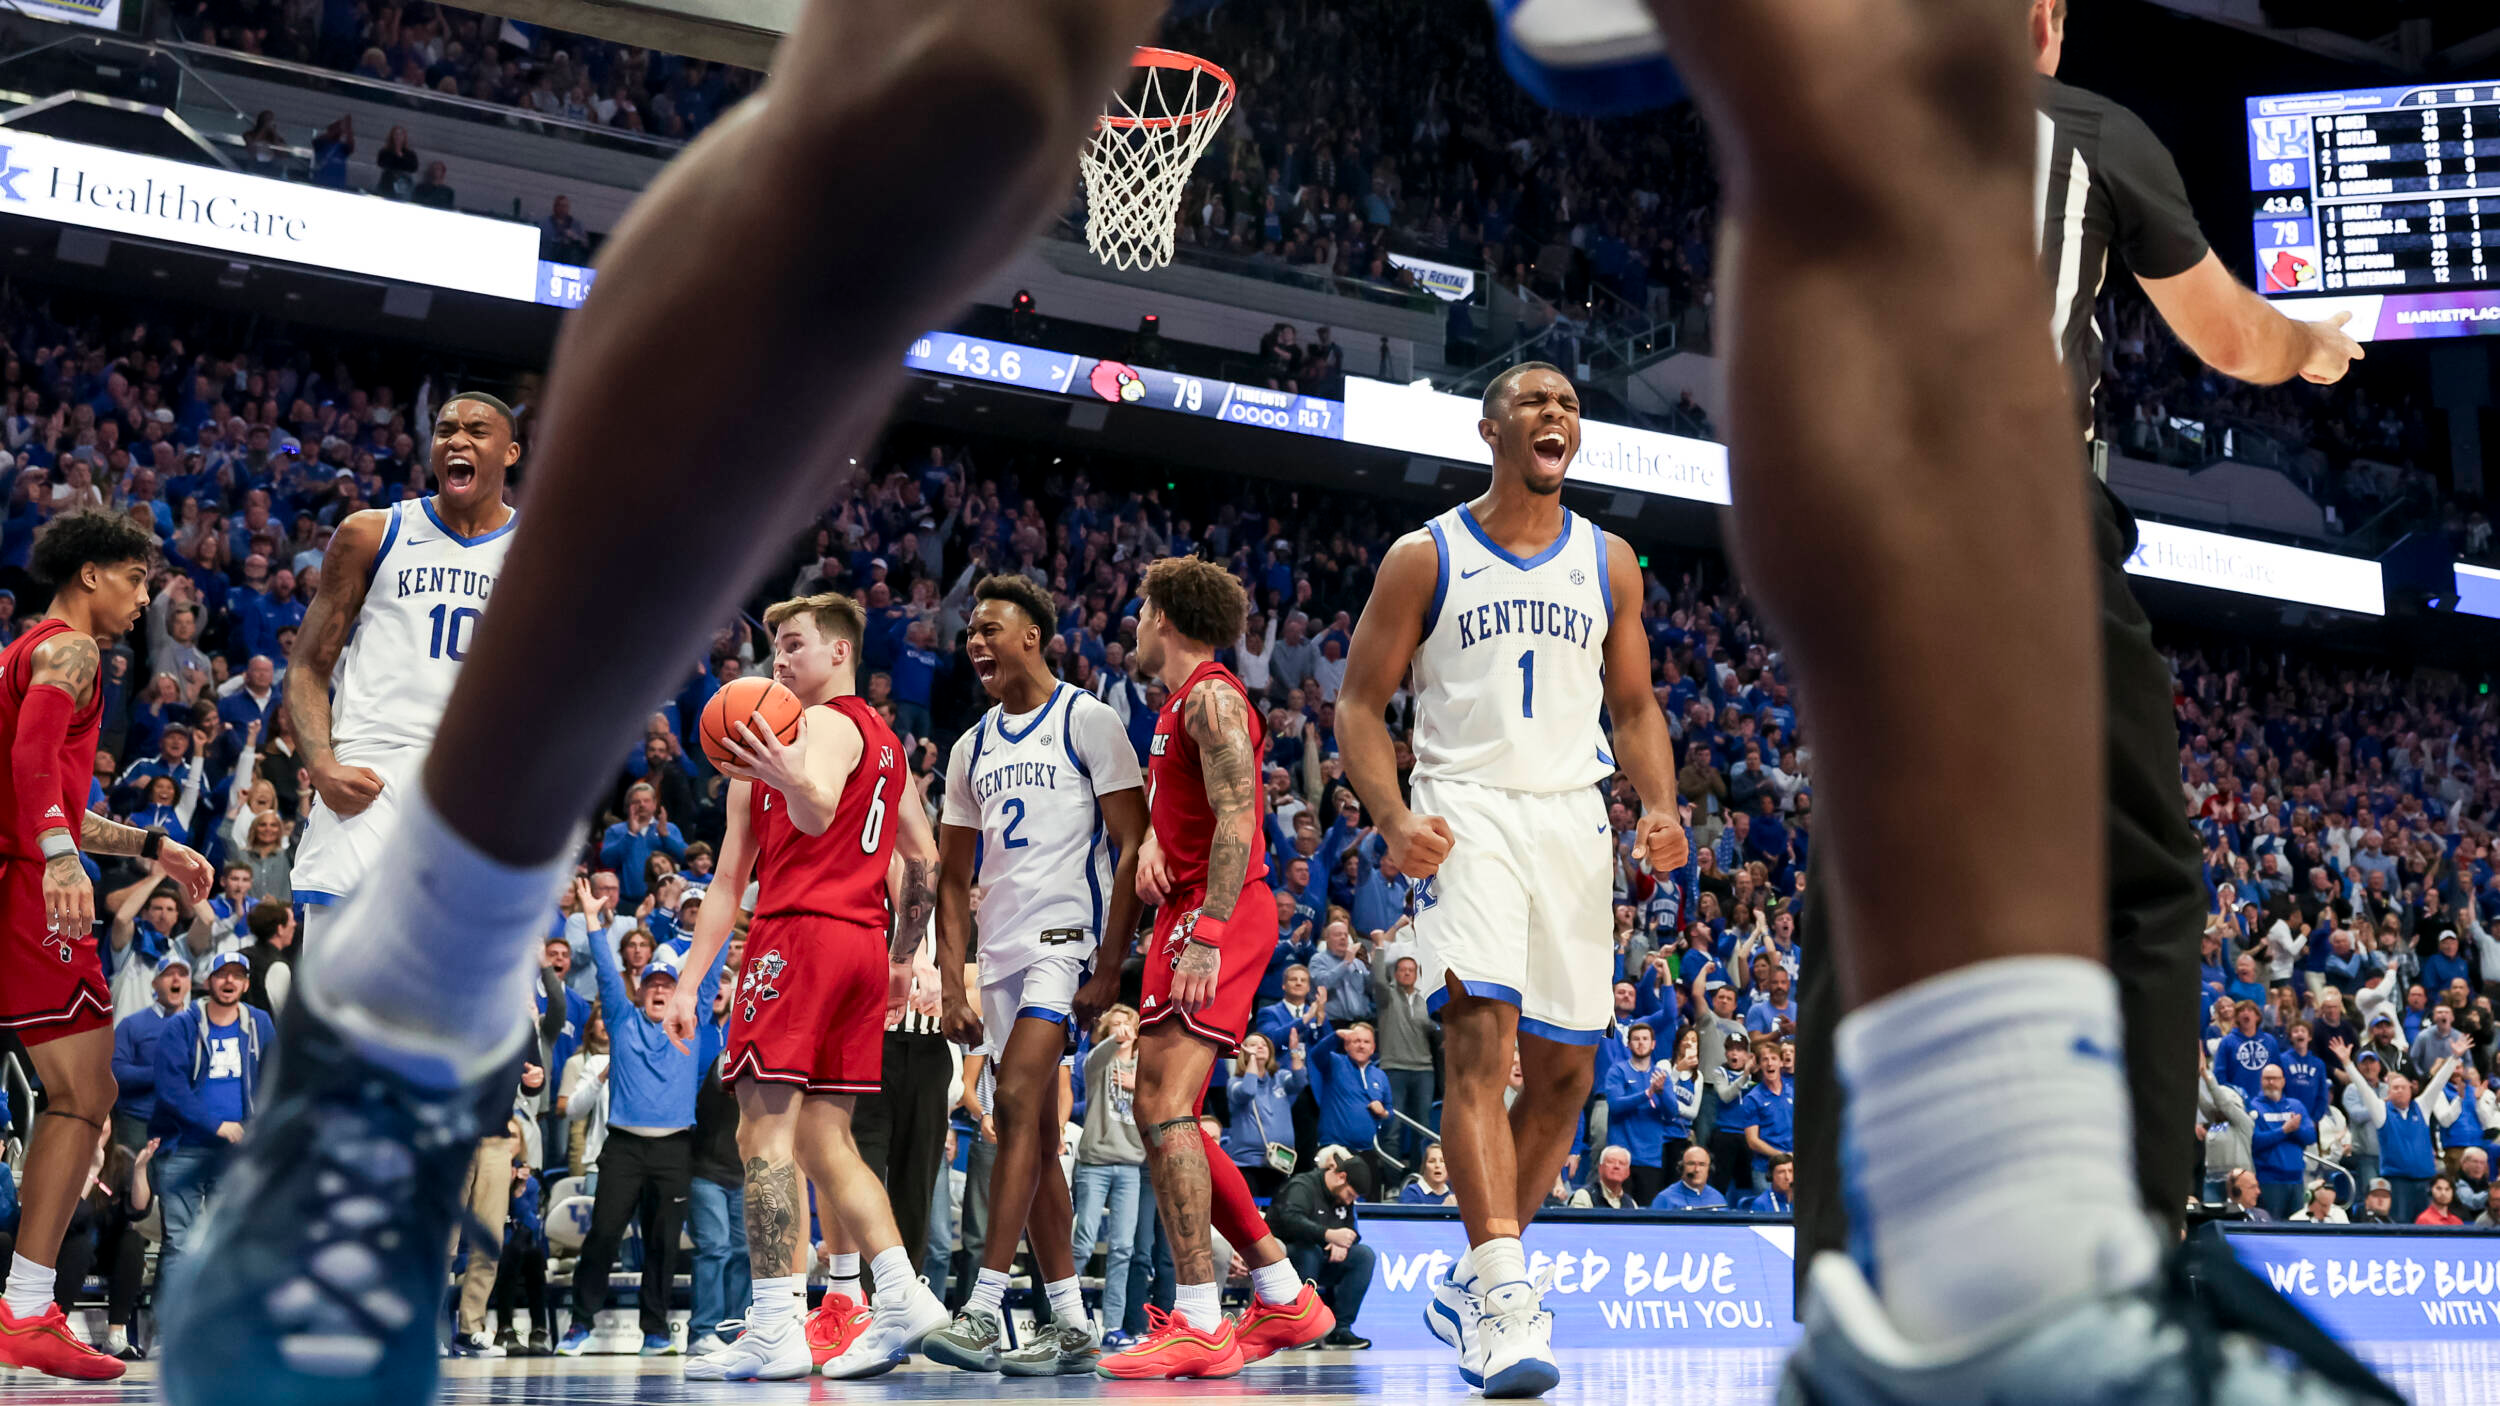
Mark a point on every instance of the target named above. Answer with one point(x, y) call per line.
point(1615, 1281)
point(148, 196)
point(97, 14)
point(1448, 282)
point(1420, 420)
point(2378, 1287)
point(2191, 557)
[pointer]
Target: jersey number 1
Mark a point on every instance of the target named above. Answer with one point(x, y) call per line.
point(1527, 684)
point(451, 632)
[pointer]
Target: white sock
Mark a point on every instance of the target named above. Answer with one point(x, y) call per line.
point(1067, 1300)
point(845, 1279)
point(1276, 1283)
point(1201, 1306)
point(892, 1272)
point(30, 1286)
point(989, 1292)
point(1498, 1261)
point(439, 906)
point(116, 1338)
point(1959, 1247)
point(776, 1303)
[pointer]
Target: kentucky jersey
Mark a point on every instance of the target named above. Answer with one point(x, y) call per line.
point(428, 589)
point(1030, 785)
point(1510, 673)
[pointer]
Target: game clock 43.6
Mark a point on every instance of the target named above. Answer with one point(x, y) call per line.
point(1119, 383)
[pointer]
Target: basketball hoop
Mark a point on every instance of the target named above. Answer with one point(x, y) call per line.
point(1143, 151)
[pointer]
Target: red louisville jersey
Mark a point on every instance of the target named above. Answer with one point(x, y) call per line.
point(76, 765)
point(840, 874)
point(1184, 823)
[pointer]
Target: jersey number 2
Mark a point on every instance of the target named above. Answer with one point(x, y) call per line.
point(1527, 684)
point(451, 632)
point(1008, 839)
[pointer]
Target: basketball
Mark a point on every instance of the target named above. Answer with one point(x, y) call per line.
point(739, 700)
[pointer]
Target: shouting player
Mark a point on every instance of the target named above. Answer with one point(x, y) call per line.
point(826, 961)
point(402, 589)
point(1037, 796)
point(52, 988)
point(1206, 865)
point(1522, 622)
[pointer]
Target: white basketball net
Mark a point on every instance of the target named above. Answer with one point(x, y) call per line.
point(1140, 159)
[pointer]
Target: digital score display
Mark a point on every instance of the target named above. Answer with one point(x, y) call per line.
point(2384, 202)
point(1118, 383)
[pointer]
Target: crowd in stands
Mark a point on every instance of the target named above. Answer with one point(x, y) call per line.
point(2348, 818)
point(1411, 137)
point(1414, 140)
point(2358, 448)
point(470, 54)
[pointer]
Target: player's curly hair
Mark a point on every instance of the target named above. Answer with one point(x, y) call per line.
point(1202, 599)
point(1025, 594)
point(73, 540)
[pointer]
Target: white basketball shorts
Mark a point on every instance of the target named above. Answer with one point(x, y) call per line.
point(1042, 989)
point(338, 851)
point(1523, 909)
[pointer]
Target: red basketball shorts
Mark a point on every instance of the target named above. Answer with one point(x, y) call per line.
point(1249, 941)
point(808, 1008)
point(50, 986)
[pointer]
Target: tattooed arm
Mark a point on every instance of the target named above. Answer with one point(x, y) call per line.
point(101, 834)
point(1218, 719)
point(63, 682)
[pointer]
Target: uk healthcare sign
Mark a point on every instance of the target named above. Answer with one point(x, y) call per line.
point(2218, 561)
point(1673, 1284)
point(203, 206)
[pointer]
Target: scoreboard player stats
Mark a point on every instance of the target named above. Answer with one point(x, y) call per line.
point(2380, 202)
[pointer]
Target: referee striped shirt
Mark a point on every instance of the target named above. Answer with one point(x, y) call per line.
point(2104, 182)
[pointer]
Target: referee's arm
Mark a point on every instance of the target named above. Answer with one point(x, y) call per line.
point(2229, 327)
point(2243, 336)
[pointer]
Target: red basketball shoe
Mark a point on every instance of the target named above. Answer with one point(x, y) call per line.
point(1171, 1348)
point(1268, 1328)
point(835, 1325)
point(45, 1344)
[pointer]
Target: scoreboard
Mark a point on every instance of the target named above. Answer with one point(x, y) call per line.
point(1118, 383)
point(2381, 202)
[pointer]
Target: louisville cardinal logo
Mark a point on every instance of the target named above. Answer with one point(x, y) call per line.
point(1115, 382)
point(757, 984)
point(2289, 271)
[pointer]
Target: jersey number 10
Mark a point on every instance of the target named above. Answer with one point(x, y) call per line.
point(452, 629)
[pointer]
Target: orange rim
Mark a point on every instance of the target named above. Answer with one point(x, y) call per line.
point(1150, 57)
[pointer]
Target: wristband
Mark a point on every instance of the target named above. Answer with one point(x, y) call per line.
point(154, 844)
point(1208, 931)
point(57, 844)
